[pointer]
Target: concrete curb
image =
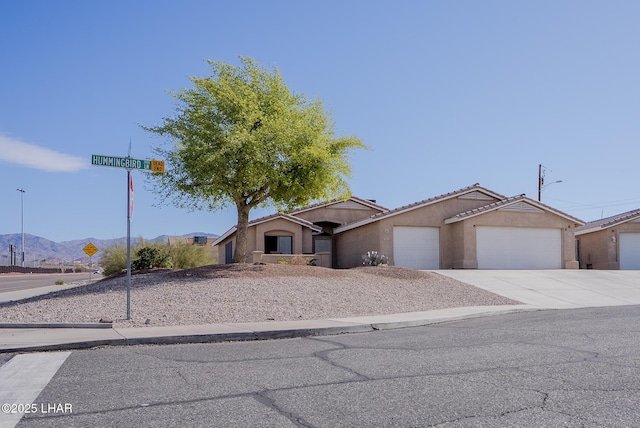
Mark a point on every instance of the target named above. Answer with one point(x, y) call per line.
point(197, 338)
point(56, 325)
point(247, 331)
point(439, 320)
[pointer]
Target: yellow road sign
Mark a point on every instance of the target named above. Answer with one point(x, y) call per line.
point(157, 165)
point(90, 249)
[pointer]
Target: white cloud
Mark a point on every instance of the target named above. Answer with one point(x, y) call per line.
point(32, 156)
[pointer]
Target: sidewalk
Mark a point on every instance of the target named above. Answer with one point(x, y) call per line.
point(62, 337)
point(8, 296)
point(552, 289)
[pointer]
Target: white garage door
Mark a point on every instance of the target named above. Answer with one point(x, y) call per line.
point(630, 251)
point(416, 247)
point(519, 248)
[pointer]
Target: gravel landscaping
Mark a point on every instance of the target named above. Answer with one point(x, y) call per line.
point(249, 293)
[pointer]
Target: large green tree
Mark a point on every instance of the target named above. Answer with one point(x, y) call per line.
point(241, 137)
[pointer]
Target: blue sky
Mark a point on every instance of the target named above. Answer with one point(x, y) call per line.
point(445, 94)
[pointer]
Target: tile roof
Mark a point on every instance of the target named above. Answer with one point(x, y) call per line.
point(604, 223)
point(419, 204)
point(508, 202)
point(365, 202)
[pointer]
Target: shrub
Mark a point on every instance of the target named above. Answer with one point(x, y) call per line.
point(186, 256)
point(297, 260)
point(59, 282)
point(114, 259)
point(150, 257)
point(373, 258)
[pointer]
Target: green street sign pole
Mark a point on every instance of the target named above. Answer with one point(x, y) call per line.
point(129, 164)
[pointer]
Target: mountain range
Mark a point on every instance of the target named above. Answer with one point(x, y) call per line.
point(38, 249)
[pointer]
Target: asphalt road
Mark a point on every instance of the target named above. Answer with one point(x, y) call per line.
point(15, 282)
point(569, 368)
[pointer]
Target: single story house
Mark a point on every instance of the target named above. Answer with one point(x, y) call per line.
point(470, 228)
point(610, 243)
point(308, 230)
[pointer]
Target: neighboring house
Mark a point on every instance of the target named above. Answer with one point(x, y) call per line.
point(470, 228)
point(308, 230)
point(192, 240)
point(610, 243)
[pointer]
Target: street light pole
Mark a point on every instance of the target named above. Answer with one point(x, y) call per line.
point(541, 185)
point(21, 190)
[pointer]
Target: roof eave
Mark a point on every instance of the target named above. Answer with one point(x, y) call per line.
point(361, 201)
point(224, 236)
point(498, 206)
point(589, 230)
point(607, 225)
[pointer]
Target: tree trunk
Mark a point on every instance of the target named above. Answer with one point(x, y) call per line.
point(240, 254)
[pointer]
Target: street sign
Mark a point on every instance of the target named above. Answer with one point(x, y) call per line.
point(90, 249)
point(128, 163)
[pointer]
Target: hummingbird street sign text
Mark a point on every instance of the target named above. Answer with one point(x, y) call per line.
point(128, 163)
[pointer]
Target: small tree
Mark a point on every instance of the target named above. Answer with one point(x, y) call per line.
point(242, 137)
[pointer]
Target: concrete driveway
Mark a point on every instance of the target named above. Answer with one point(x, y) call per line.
point(557, 289)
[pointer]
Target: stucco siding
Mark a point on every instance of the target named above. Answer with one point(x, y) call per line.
point(598, 250)
point(461, 242)
point(353, 244)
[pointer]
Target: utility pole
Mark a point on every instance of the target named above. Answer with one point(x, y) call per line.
point(540, 182)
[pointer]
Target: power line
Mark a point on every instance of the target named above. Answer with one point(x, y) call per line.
point(609, 204)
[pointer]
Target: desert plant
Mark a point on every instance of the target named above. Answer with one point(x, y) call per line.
point(186, 256)
point(146, 258)
point(374, 258)
point(59, 282)
point(297, 260)
point(114, 259)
